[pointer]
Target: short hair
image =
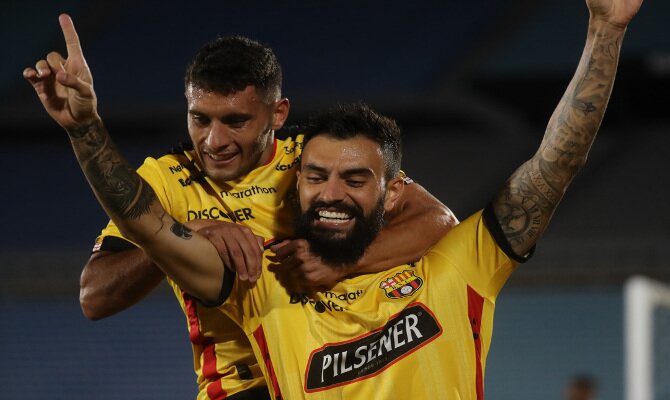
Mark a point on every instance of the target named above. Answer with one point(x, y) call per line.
point(229, 64)
point(346, 121)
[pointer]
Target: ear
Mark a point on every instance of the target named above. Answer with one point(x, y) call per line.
point(297, 180)
point(394, 190)
point(280, 113)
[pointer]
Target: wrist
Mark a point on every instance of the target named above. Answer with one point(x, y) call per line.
point(599, 22)
point(82, 128)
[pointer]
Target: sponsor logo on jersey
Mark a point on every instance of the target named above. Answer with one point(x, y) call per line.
point(291, 149)
point(319, 305)
point(177, 168)
point(349, 297)
point(286, 167)
point(327, 304)
point(254, 190)
point(401, 285)
point(338, 364)
point(241, 214)
point(193, 178)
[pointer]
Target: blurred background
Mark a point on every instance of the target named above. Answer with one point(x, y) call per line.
point(472, 85)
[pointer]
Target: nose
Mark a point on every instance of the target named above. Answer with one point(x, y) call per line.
point(333, 191)
point(217, 137)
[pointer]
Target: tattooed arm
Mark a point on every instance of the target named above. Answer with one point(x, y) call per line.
point(528, 199)
point(65, 88)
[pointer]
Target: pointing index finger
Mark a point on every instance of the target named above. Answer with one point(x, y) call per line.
point(70, 34)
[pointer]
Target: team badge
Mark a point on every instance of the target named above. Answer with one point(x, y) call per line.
point(401, 285)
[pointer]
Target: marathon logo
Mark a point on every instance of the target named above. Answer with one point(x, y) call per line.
point(286, 167)
point(241, 214)
point(254, 190)
point(401, 285)
point(349, 297)
point(339, 364)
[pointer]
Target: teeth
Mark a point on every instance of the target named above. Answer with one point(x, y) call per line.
point(332, 216)
point(220, 157)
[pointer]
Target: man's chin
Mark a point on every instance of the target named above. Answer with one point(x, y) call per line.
point(330, 233)
point(220, 175)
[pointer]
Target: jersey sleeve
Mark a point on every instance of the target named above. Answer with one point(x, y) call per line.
point(478, 250)
point(244, 302)
point(111, 239)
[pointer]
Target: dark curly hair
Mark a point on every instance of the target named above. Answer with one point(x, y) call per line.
point(346, 121)
point(229, 64)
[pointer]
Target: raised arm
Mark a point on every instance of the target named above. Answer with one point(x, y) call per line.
point(527, 201)
point(65, 88)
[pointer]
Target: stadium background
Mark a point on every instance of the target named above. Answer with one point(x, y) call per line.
point(472, 84)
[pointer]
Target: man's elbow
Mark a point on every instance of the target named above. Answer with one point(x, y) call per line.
point(91, 306)
point(450, 219)
point(444, 220)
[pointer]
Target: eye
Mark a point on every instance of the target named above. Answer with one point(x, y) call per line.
point(315, 179)
point(356, 183)
point(236, 122)
point(200, 119)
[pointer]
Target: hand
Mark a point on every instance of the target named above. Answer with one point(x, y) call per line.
point(240, 250)
point(309, 272)
point(616, 12)
point(65, 86)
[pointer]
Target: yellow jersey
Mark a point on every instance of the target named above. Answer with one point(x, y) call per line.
point(420, 330)
point(223, 359)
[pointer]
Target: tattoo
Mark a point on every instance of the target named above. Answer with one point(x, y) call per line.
point(180, 230)
point(520, 208)
point(586, 108)
point(160, 228)
point(120, 190)
point(526, 203)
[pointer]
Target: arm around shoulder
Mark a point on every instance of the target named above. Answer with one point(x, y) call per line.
point(417, 221)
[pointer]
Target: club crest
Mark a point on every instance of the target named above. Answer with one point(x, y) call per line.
point(401, 285)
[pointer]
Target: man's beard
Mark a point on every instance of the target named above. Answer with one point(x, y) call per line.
point(340, 252)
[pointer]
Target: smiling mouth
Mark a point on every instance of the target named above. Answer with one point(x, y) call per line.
point(220, 157)
point(333, 217)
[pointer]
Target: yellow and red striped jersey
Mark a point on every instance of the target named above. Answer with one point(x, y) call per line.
point(223, 360)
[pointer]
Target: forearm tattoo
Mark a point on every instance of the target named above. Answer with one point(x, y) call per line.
point(180, 230)
point(120, 190)
point(526, 203)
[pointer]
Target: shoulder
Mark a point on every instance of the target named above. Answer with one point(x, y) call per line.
point(176, 163)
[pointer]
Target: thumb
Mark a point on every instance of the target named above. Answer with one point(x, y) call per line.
point(71, 81)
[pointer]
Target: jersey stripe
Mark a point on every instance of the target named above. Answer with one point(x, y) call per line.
point(475, 308)
point(209, 361)
point(214, 389)
point(259, 335)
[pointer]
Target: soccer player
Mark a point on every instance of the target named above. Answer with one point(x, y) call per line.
point(234, 171)
point(428, 322)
